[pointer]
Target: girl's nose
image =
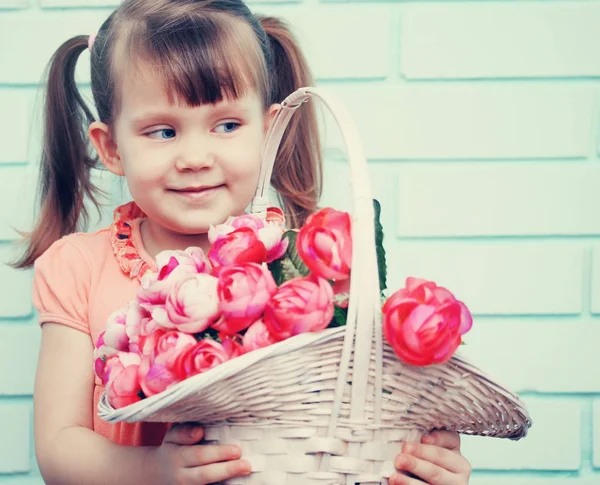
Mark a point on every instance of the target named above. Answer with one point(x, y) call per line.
point(195, 155)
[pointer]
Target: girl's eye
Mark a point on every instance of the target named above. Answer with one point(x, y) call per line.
point(228, 127)
point(162, 134)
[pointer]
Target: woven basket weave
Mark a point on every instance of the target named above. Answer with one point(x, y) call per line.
point(332, 407)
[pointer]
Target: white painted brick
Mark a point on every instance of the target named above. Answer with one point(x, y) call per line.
point(471, 121)
point(544, 355)
point(16, 122)
point(337, 192)
point(556, 430)
point(596, 433)
point(14, 4)
point(526, 199)
point(16, 287)
point(353, 42)
point(525, 278)
point(595, 293)
point(556, 39)
point(17, 195)
point(15, 421)
point(19, 345)
point(38, 34)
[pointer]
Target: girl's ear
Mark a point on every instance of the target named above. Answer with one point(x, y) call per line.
point(270, 115)
point(106, 147)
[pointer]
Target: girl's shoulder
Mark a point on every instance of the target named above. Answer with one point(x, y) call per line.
point(78, 246)
point(63, 277)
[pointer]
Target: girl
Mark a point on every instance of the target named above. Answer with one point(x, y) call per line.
point(185, 91)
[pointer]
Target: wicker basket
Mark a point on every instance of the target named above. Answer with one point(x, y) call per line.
point(332, 407)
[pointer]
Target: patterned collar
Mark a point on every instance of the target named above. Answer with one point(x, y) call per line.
point(121, 240)
point(123, 244)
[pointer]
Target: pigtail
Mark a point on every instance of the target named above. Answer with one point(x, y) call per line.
point(66, 162)
point(298, 169)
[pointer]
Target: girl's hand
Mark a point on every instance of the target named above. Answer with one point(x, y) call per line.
point(435, 461)
point(181, 460)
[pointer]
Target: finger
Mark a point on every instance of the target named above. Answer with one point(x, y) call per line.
point(184, 434)
point(436, 455)
point(446, 439)
point(401, 479)
point(216, 472)
point(200, 455)
point(425, 470)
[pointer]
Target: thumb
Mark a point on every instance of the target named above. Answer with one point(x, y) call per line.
point(184, 434)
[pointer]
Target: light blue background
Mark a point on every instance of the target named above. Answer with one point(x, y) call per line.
point(480, 122)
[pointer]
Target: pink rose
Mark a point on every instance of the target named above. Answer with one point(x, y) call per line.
point(192, 260)
point(170, 344)
point(243, 291)
point(192, 304)
point(232, 345)
point(325, 244)
point(155, 287)
point(135, 323)
point(276, 216)
point(100, 367)
point(101, 354)
point(148, 325)
point(123, 328)
point(247, 220)
point(256, 337)
point(204, 355)
point(155, 377)
point(424, 323)
point(271, 236)
point(269, 231)
point(100, 348)
point(239, 246)
point(115, 335)
point(300, 305)
point(159, 354)
point(172, 266)
point(341, 291)
point(122, 381)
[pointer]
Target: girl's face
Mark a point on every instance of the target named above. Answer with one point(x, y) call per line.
point(187, 167)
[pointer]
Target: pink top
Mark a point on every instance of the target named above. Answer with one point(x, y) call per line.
point(83, 278)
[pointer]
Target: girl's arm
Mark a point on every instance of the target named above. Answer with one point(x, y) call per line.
point(70, 453)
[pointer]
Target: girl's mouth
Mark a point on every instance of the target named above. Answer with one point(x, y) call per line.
point(198, 193)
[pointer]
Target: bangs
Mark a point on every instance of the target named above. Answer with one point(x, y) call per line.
point(201, 59)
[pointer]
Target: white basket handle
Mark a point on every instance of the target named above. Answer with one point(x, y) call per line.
point(363, 327)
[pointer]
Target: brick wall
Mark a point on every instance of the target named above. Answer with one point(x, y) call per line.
point(480, 122)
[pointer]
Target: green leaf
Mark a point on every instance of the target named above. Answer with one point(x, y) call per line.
point(290, 265)
point(340, 316)
point(381, 261)
point(276, 271)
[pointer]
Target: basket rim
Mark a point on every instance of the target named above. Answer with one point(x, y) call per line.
point(141, 410)
point(212, 376)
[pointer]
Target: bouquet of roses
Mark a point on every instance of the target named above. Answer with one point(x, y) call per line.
point(258, 285)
